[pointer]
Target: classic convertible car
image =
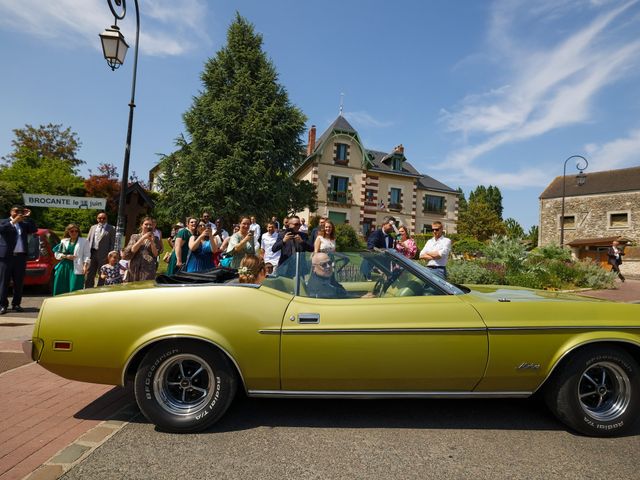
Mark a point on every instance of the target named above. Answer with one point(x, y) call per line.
point(358, 325)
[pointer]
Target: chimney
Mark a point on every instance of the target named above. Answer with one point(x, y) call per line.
point(312, 140)
point(399, 149)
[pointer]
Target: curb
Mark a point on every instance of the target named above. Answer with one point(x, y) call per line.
point(74, 453)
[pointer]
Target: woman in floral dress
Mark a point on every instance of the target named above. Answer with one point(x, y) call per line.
point(142, 251)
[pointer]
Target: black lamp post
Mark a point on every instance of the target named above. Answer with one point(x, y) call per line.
point(581, 178)
point(115, 48)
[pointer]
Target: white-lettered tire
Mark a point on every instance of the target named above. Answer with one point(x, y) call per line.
point(184, 386)
point(596, 391)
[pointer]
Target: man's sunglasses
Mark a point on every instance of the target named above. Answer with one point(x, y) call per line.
point(435, 229)
point(324, 265)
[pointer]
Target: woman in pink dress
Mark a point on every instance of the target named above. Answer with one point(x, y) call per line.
point(405, 244)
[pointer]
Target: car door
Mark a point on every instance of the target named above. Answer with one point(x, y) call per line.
point(427, 343)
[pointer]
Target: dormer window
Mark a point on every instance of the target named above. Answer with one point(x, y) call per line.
point(396, 164)
point(341, 153)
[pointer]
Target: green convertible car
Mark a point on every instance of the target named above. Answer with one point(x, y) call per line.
point(357, 325)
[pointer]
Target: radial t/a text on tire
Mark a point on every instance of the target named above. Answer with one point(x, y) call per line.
point(596, 391)
point(184, 386)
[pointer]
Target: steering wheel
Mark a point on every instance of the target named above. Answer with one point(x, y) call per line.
point(339, 262)
point(378, 288)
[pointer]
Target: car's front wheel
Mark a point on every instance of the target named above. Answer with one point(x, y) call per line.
point(184, 386)
point(597, 391)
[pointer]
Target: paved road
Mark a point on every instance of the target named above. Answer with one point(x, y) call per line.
point(275, 439)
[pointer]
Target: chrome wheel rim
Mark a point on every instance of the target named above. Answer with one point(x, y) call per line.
point(184, 384)
point(604, 391)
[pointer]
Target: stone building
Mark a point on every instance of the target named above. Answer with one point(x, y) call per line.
point(605, 208)
point(360, 186)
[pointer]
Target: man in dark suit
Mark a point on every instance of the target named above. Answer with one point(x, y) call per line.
point(289, 242)
point(381, 238)
point(614, 254)
point(101, 238)
point(14, 232)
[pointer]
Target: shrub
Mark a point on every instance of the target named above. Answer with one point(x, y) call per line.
point(507, 251)
point(468, 245)
point(589, 274)
point(473, 272)
point(347, 238)
point(552, 252)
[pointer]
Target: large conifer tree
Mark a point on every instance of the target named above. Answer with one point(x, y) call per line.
point(243, 139)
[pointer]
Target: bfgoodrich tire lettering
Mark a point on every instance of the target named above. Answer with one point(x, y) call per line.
point(597, 392)
point(184, 386)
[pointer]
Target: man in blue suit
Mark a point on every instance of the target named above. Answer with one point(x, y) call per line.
point(14, 232)
point(381, 238)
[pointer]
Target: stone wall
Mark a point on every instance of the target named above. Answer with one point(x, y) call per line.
point(592, 217)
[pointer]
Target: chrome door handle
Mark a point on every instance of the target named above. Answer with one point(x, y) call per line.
point(308, 318)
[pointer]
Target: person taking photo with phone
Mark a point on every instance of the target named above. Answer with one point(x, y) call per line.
point(14, 232)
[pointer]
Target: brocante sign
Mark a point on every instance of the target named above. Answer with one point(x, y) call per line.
point(59, 201)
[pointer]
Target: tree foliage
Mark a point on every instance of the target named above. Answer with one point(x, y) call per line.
point(46, 141)
point(243, 139)
point(480, 221)
point(462, 201)
point(490, 195)
point(105, 184)
point(513, 229)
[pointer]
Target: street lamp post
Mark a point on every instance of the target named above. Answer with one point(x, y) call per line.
point(115, 48)
point(581, 178)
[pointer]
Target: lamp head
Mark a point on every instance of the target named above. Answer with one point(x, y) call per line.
point(114, 47)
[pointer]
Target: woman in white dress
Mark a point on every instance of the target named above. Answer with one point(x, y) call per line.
point(326, 240)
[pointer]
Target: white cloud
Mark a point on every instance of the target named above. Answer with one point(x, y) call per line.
point(618, 153)
point(550, 84)
point(166, 27)
point(364, 119)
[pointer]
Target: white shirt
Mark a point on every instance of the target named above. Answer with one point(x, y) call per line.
point(266, 245)
point(81, 251)
point(255, 228)
point(442, 246)
point(19, 248)
point(223, 233)
point(304, 228)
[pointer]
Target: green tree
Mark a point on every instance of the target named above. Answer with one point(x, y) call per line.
point(490, 195)
point(513, 229)
point(532, 236)
point(243, 139)
point(462, 201)
point(46, 141)
point(36, 166)
point(480, 221)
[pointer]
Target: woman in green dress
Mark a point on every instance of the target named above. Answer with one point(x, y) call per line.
point(73, 254)
point(181, 246)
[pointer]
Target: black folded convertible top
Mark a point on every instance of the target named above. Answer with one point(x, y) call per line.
point(215, 275)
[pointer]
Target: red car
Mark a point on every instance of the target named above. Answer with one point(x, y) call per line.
point(40, 259)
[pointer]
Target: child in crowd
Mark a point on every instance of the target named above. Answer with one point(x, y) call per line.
point(110, 273)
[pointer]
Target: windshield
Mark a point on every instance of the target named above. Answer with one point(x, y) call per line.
point(363, 274)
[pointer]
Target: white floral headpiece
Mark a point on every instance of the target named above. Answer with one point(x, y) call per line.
point(243, 271)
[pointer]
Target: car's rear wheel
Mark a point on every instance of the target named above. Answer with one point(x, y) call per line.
point(184, 386)
point(596, 391)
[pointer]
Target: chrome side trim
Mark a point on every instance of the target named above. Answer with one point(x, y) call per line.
point(613, 327)
point(382, 394)
point(187, 337)
point(320, 331)
point(588, 342)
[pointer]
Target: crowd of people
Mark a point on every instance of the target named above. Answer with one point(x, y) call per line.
point(196, 246)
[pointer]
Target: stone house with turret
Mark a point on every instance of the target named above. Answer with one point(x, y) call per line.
point(360, 186)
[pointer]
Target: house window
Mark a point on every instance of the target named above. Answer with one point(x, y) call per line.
point(397, 164)
point(338, 189)
point(427, 228)
point(618, 220)
point(341, 152)
point(395, 195)
point(433, 204)
point(569, 221)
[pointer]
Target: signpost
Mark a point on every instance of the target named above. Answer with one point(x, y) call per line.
point(58, 201)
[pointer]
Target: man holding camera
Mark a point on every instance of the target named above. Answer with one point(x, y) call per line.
point(291, 241)
point(14, 232)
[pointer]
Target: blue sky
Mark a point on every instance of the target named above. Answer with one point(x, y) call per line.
point(478, 92)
